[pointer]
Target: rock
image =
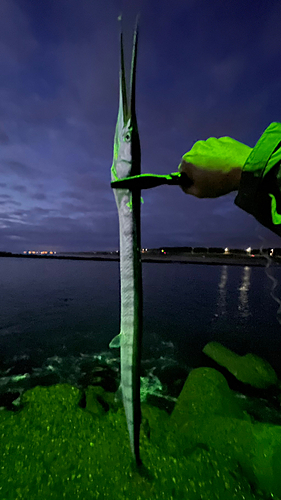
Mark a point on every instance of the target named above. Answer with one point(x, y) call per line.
point(60, 397)
point(211, 456)
point(249, 369)
point(53, 447)
point(256, 448)
point(205, 392)
point(7, 400)
point(266, 458)
point(99, 402)
point(173, 377)
point(98, 375)
point(45, 380)
point(151, 417)
point(206, 417)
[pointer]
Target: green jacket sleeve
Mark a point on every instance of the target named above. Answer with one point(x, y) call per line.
point(259, 191)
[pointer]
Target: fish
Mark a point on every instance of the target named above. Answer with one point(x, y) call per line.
point(127, 162)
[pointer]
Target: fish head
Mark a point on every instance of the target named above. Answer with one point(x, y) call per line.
point(126, 157)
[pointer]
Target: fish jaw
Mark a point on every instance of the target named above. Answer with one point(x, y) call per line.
point(126, 154)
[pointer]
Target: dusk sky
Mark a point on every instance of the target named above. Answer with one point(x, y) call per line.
point(205, 68)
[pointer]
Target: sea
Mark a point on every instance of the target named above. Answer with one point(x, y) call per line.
point(57, 318)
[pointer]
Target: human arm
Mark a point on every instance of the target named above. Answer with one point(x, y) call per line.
point(259, 192)
point(254, 172)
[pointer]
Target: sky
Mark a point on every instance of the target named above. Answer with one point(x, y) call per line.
point(205, 69)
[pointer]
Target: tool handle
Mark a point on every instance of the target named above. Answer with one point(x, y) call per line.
point(146, 181)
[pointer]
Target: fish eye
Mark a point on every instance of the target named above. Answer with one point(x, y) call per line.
point(127, 137)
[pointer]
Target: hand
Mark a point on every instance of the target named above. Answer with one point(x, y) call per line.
point(214, 166)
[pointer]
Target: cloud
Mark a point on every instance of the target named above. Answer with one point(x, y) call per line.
point(39, 211)
point(91, 182)
point(53, 233)
point(72, 194)
point(15, 237)
point(18, 168)
point(10, 202)
point(19, 188)
point(11, 220)
point(38, 196)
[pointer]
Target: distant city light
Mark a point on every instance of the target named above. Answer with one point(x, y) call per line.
point(42, 252)
point(275, 253)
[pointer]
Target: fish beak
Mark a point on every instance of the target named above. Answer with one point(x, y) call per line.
point(127, 113)
point(123, 104)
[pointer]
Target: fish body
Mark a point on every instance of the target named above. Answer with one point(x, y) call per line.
point(127, 162)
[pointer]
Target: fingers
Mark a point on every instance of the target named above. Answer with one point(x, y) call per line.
point(189, 170)
point(192, 190)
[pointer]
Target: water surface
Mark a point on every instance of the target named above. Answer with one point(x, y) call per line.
point(70, 309)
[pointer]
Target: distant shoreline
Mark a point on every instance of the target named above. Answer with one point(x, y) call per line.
point(184, 258)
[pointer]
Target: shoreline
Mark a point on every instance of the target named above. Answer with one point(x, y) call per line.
point(231, 260)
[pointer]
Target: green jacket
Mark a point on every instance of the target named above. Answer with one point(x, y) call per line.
point(259, 191)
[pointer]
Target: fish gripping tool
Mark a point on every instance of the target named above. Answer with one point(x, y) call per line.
point(146, 181)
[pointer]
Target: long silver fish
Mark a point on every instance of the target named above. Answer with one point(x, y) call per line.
point(127, 162)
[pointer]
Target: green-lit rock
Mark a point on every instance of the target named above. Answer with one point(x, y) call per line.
point(206, 417)
point(249, 369)
point(151, 417)
point(98, 401)
point(231, 437)
point(205, 392)
point(266, 459)
point(53, 449)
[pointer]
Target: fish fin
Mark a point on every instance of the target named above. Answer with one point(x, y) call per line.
point(129, 204)
point(113, 169)
point(118, 394)
point(116, 341)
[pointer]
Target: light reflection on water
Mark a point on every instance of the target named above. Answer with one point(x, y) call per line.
point(222, 292)
point(243, 307)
